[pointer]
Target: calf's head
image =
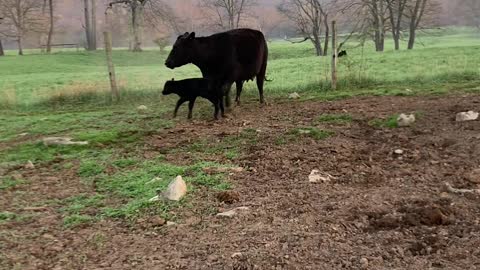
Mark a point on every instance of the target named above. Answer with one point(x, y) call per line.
point(169, 87)
point(182, 51)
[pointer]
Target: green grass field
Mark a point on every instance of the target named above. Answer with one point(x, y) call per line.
point(440, 59)
point(66, 94)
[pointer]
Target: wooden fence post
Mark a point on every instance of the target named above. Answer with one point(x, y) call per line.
point(335, 55)
point(111, 69)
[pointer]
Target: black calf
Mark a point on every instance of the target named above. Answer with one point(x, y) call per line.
point(189, 90)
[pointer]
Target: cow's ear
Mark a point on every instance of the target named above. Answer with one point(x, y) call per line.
point(173, 79)
point(191, 36)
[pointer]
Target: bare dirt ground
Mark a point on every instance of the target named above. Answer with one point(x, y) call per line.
point(380, 210)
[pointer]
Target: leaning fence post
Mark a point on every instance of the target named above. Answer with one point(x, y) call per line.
point(335, 54)
point(111, 69)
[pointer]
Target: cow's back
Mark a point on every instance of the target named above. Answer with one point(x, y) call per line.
point(243, 50)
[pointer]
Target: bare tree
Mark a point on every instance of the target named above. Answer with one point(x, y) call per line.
point(227, 14)
point(396, 10)
point(90, 24)
point(2, 53)
point(308, 16)
point(20, 18)
point(417, 11)
point(50, 31)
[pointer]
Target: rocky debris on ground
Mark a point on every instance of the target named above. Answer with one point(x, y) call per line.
point(461, 191)
point(405, 120)
point(233, 212)
point(23, 134)
point(294, 95)
point(29, 165)
point(215, 170)
point(142, 109)
point(466, 116)
point(317, 176)
point(228, 197)
point(176, 190)
point(48, 141)
point(474, 176)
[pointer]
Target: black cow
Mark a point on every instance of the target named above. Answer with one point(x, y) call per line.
point(189, 90)
point(342, 53)
point(225, 58)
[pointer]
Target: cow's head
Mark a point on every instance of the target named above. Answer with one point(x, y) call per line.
point(182, 51)
point(169, 87)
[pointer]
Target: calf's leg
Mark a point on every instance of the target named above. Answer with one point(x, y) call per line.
point(190, 107)
point(179, 103)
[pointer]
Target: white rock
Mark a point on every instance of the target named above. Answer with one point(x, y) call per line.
point(176, 189)
point(294, 95)
point(405, 120)
point(171, 223)
point(154, 199)
point(154, 180)
point(23, 134)
point(142, 109)
point(466, 116)
point(29, 165)
point(47, 141)
point(398, 152)
point(236, 254)
point(316, 176)
point(233, 212)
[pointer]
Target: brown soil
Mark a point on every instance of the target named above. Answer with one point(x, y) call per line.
point(380, 210)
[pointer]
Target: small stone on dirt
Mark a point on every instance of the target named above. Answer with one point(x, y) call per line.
point(142, 109)
point(22, 134)
point(364, 263)
point(48, 141)
point(29, 165)
point(236, 255)
point(157, 221)
point(316, 176)
point(405, 120)
point(228, 197)
point(176, 189)
point(171, 223)
point(233, 212)
point(474, 176)
point(466, 116)
point(294, 95)
point(398, 152)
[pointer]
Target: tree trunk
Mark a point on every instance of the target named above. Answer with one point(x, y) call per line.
point(318, 45)
point(334, 57)
point(42, 38)
point(2, 53)
point(20, 45)
point(50, 31)
point(327, 35)
point(137, 43)
point(93, 37)
point(88, 28)
point(411, 38)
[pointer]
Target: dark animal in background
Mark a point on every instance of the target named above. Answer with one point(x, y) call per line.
point(225, 58)
point(342, 53)
point(189, 90)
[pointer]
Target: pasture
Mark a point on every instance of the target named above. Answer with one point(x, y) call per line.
point(88, 206)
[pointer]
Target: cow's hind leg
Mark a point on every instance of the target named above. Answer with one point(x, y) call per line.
point(226, 91)
point(260, 81)
point(239, 85)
